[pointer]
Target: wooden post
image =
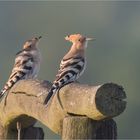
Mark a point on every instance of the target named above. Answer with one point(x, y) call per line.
point(3, 132)
point(107, 130)
point(78, 127)
point(95, 102)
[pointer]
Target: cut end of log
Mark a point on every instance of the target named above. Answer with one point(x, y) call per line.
point(110, 99)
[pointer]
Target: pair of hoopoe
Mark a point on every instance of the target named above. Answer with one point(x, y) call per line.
point(27, 64)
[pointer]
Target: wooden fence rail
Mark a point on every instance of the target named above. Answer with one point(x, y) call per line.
point(76, 112)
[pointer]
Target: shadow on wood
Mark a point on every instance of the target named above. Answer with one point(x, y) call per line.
point(107, 130)
point(79, 127)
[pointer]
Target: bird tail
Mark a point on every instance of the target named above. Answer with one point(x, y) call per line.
point(48, 97)
point(4, 91)
point(3, 94)
point(50, 94)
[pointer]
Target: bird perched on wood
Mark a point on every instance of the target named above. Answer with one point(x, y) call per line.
point(27, 65)
point(72, 65)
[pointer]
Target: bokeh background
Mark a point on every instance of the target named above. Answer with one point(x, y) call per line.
point(113, 57)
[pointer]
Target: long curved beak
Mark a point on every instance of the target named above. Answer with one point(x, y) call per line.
point(90, 39)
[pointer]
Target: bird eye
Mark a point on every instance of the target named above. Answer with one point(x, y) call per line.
point(81, 39)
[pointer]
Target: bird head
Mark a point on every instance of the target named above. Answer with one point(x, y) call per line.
point(78, 39)
point(32, 42)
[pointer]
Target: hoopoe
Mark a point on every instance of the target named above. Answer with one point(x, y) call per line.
point(72, 65)
point(27, 65)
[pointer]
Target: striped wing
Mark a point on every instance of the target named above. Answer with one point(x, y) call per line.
point(23, 66)
point(70, 71)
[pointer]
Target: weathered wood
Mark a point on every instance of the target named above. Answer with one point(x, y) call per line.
point(3, 132)
point(80, 128)
point(107, 130)
point(95, 102)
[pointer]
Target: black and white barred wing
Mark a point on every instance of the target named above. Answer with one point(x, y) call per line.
point(70, 71)
point(22, 68)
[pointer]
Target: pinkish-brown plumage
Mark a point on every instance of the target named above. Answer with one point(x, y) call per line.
point(72, 65)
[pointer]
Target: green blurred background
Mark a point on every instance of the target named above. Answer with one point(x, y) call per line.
point(113, 57)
